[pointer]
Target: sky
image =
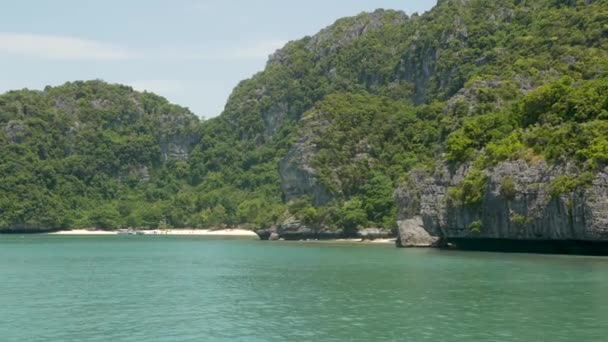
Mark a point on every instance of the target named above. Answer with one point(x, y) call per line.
point(193, 52)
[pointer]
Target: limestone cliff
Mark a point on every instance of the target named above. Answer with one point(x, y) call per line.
point(531, 210)
point(298, 177)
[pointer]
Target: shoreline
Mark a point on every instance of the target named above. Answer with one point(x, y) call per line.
point(354, 240)
point(208, 232)
point(231, 232)
point(171, 232)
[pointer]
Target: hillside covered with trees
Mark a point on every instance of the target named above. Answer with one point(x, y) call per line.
point(330, 128)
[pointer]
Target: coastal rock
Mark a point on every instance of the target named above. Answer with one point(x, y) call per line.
point(411, 233)
point(297, 230)
point(294, 230)
point(531, 211)
point(264, 234)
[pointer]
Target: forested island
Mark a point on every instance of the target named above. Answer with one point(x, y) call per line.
point(476, 121)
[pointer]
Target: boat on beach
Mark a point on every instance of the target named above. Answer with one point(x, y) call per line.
point(129, 232)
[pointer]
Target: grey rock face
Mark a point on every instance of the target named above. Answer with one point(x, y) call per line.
point(141, 172)
point(296, 230)
point(412, 233)
point(274, 117)
point(178, 136)
point(342, 35)
point(466, 101)
point(419, 71)
point(293, 229)
point(330, 40)
point(298, 177)
point(100, 104)
point(265, 234)
point(532, 213)
point(344, 32)
point(14, 131)
point(177, 147)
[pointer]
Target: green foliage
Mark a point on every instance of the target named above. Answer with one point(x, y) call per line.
point(518, 219)
point(507, 188)
point(311, 217)
point(475, 227)
point(105, 217)
point(526, 81)
point(353, 215)
point(363, 87)
point(257, 213)
point(476, 132)
point(563, 185)
point(508, 148)
point(366, 134)
point(564, 100)
point(378, 199)
point(470, 191)
point(365, 144)
point(75, 156)
point(561, 120)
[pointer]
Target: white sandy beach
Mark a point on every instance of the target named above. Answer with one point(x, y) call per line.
point(181, 232)
point(82, 232)
point(391, 240)
point(209, 232)
point(204, 232)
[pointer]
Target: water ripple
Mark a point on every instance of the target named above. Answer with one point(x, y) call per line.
point(191, 289)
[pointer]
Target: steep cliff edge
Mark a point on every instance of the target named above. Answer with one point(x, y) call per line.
point(298, 176)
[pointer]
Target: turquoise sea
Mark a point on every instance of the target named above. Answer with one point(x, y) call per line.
point(161, 288)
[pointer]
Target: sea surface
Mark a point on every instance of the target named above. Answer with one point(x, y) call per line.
point(160, 288)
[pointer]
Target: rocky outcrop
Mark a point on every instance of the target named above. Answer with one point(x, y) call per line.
point(298, 177)
point(531, 209)
point(177, 147)
point(264, 234)
point(178, 135)
point(411, 233)
point(294, 230)
point(140, 172)
point(343, 32)
point(14, 131)
point(346, 31)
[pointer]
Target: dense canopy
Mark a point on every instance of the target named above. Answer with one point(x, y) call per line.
point(474, 81)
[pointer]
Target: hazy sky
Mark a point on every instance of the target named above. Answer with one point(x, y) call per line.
point(191, 51)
